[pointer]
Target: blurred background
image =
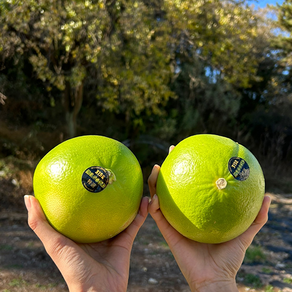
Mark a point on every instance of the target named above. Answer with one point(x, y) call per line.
point(148, 73)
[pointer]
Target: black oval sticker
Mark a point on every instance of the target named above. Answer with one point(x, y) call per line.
point(95, 179)
point(239, 168)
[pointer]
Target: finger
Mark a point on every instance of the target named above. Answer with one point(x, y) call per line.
point(39, 224)
point(37, 220)
point(156, 213)
point(127, 237)
point(169, 233)
point(66, 254)
point(261, 219)
point(262, 216)
point(171, 148)
point(134, 227)
point(153, 179)
point(154, 209)
point(143, 211)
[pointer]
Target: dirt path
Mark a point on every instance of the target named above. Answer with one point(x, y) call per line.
point(25, 266)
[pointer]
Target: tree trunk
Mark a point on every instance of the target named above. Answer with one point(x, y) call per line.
point(72, 103)
point(71, 124)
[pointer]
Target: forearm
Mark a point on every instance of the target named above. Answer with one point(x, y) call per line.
point(220, 286)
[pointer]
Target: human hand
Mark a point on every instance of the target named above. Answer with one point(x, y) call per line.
point(206, 267)
point(102, 266)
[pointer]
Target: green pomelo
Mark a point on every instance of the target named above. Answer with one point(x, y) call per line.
point(210, 188)
point(89, 187)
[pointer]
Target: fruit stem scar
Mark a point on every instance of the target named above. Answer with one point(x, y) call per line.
point(112, 177)
point(221, 183)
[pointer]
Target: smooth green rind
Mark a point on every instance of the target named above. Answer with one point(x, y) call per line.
point(189, 198)
point(74, 211)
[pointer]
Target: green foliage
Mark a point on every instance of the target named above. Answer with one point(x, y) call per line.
point(287, 280)
point(63, 39)
point(267, 270)
point(6, 247)
point(254, 254)
point(252, 280)
point(168, 69)
point(17, 282)
point(283, 41)
point(130, 45)
point(269, 288)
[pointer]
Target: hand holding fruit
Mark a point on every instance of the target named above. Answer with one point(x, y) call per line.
point(206, 267)
point(88, 189)
point(102, 266)
point(87, 195)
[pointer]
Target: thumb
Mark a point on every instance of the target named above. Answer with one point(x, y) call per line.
point(169, 233)
point(153, 179)
point(247, 237)
point(38, 223)
point(36, 218)
point(63, 251)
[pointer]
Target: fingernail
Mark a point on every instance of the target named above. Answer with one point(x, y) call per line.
point(154, 201)
point(155, 166)
point(146, 199)
point(154, 198)
point(27, 202)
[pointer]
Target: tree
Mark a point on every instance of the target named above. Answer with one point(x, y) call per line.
point(214, 56)
point(138, 55)
point(283, 41)
point(273, 119)
point(65, 39)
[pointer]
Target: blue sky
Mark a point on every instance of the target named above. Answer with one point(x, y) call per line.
point(263, 3)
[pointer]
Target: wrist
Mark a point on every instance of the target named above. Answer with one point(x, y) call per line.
point(218, 286)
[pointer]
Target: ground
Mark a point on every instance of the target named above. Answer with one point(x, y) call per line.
point(25, 266)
